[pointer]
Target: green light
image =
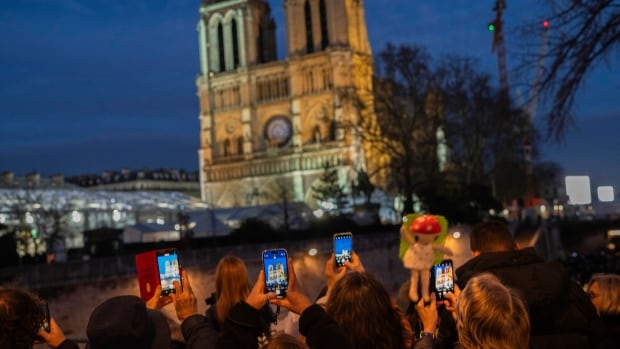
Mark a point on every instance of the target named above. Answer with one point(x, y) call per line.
point(491, 27)
point(34, 233)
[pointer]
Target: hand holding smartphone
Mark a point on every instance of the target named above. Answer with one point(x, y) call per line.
point(45, 324)
point(343, 248)
point(169, 270)
point(275, 267)
point(442, 279)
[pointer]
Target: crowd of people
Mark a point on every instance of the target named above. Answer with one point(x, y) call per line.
point(504, 297)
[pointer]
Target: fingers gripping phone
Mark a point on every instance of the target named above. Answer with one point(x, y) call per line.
point(169, 270)
point(343, 248)
point(275, 267)
point(442, 278)
point(45, 323)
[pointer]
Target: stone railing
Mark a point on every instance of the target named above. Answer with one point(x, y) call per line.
point(284, 164)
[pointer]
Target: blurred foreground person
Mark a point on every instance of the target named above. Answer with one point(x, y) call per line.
point(604, 292)
point(21, 318)
point(487, 313)
point(561, 315)
point(245, 322)
point(367, 314)
point(124, 322)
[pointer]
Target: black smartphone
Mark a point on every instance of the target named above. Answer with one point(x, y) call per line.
point(275, 267)
point(45, 324)
point(169, 269)
point(442, 279)
point(343, 247)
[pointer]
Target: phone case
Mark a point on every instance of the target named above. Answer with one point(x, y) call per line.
point(148, 274)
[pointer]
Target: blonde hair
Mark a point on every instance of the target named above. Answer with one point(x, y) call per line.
point(491, 315)
point(609, 287)
point(231, 285)
point(285, 341)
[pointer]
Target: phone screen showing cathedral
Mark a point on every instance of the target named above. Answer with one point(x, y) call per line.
point(276, 272)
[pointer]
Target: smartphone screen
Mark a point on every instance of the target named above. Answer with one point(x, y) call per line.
point(45, 324)
point(275, 266)
point(443, 278)
point(343, 248)
point(169, 270)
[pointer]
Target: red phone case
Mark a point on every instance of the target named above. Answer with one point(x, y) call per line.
point(148, 274)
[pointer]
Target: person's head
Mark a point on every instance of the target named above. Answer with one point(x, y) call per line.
point(284, 341)
point(232, 284)
point(364, 309)
point(491, 315)
point(124, 322)
point(604, 291)
point(491, 236)
point(20, 318)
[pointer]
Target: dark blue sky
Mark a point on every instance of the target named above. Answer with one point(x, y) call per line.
point(93, 85)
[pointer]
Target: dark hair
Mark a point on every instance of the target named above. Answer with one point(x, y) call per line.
point(363, 308)
point(20, 318)
point(491, 237)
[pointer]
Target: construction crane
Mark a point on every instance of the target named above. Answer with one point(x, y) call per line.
point(498, 46)
point(497, 26)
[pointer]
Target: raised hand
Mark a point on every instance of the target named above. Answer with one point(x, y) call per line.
point(157, 301)
point(185, 303)
point(295, 300)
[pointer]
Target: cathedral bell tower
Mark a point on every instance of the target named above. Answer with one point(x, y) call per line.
point(268, 127)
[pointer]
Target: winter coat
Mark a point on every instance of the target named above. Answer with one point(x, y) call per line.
point(561, 314)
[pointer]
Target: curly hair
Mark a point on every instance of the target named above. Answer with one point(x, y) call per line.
point(364, 309)
point(491, 315)
point(20, 318)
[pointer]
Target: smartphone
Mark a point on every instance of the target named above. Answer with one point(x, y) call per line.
point(275, 267)
point(45, 324)
point(442, 278)
point(343, 248)
point(169, 269)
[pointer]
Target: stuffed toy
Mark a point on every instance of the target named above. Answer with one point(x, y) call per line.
point(419, 234)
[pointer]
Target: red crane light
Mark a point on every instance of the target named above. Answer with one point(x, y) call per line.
point(545, 24)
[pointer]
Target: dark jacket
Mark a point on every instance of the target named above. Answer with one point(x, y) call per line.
point(198, 332)
point(561, 314)
point(67, 344)
point(245, 324)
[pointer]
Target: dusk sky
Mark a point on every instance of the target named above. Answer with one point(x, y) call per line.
point(94, 85)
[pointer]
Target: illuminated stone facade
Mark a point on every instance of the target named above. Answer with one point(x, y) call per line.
point(269, 127)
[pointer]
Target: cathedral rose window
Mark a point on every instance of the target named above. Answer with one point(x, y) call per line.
point(278, 131)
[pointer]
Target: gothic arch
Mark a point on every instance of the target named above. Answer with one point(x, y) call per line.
point(317, 116)
point(324, 20)
point(214, 53)
point(308, 26)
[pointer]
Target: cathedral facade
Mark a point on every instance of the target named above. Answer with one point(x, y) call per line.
point(269, 128)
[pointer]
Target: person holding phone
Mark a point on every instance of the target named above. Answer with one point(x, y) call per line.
point(244, 324)
point(488, 314)
point(22, 319)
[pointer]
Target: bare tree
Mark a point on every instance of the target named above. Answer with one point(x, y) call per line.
point(403, 128)
point(484, 134)
point(583, 35)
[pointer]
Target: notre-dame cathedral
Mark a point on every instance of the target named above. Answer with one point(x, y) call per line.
point(269, 127)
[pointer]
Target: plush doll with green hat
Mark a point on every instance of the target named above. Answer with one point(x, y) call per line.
point(421, 246)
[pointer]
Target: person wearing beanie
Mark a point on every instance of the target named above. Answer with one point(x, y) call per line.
point(124, 322)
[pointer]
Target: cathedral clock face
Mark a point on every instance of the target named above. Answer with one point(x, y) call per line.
point(278, 131)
